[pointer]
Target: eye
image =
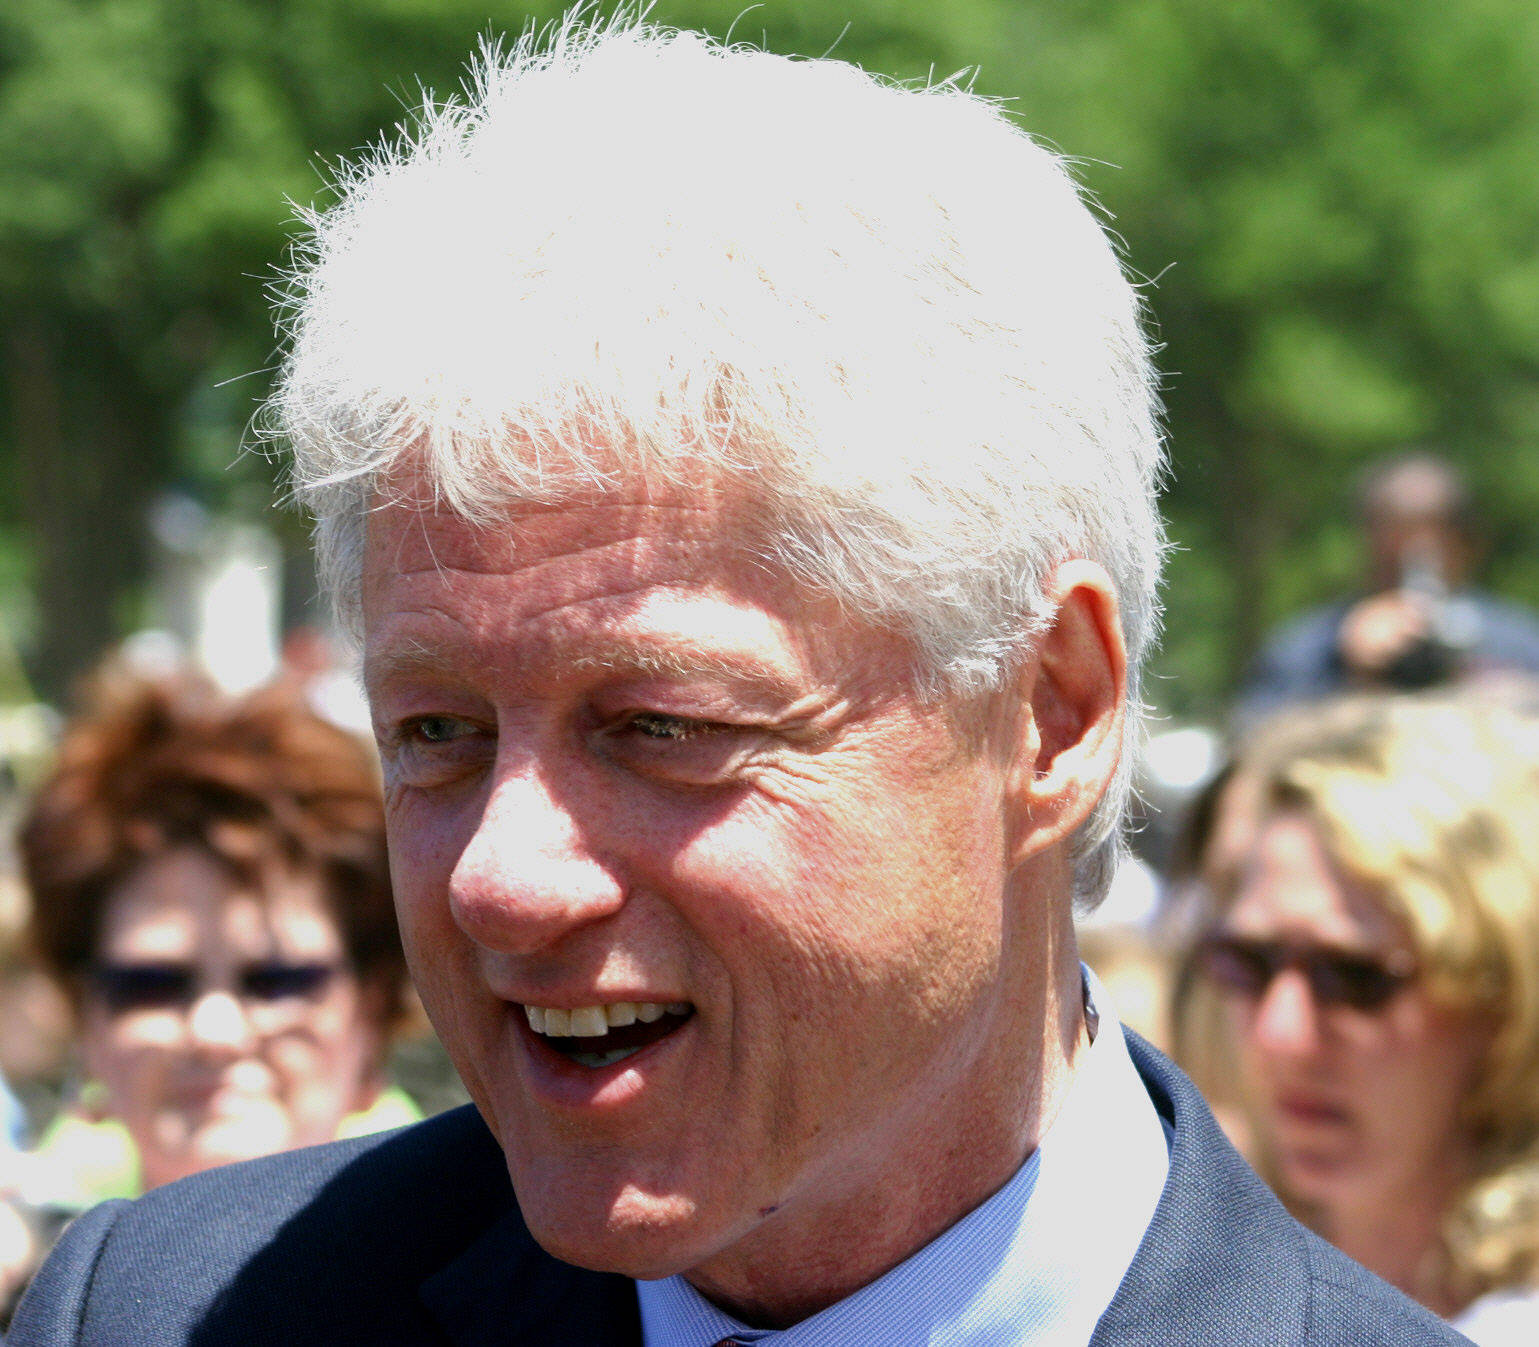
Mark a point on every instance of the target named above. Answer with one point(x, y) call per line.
point(654, 725)
point(437, 729)
point(679, 749)
point(278, 981)
point(434, 749)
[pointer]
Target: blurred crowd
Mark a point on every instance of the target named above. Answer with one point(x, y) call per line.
point(201, 962)
point(1340, 941)
point(1334, 927)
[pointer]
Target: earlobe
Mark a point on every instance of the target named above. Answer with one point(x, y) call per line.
point(1073, 689)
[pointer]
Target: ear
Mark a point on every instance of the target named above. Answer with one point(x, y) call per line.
point(1072, 692)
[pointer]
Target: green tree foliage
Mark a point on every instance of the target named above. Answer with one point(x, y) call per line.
point(146, 151)
point(1338, 200)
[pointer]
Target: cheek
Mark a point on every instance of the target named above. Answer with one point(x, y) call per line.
point(133, 1055)
point(419, 875)
point(427, 833)
point(1431, 1064)
point(442, 965)
point(843, 907)
point(859, 945)
point(327, 1048)
point(317, 1074)
point(914, 898)
point(439, 958)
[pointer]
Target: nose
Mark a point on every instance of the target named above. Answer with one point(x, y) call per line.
point(528, 876)
point(1285, 1021)
point(218, 1025)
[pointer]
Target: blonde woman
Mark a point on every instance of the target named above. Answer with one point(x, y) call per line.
point(1374, 944)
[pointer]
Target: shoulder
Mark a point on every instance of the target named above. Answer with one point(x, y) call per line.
point(1508, 632)
point(1305, 643)
point(1298, 660)
point(1223, 1262)
point(448, 1166)
point(336, 1239)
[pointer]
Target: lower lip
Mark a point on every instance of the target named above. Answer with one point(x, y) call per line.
point(556, 1080)
point(1311, 1113)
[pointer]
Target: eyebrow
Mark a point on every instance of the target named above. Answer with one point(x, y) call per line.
point(411, 657)
point(639, 657)
point(677, 661)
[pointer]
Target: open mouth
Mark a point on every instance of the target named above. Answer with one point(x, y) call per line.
point(595, 1036)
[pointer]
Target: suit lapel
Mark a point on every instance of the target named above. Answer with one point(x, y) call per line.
point(1221, 1260)
point(505, 1291)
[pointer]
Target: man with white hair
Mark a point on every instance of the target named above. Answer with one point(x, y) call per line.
point(740, 472)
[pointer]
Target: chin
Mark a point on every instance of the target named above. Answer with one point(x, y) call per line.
point(226, 1140)
point(635, 1235)
point(1318, 1180)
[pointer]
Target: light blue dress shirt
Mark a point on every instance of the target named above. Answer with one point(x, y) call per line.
point(1038, 1263)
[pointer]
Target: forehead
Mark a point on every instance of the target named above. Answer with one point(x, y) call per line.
point(1290, 885)
point(411, 529)
point(660, 582)
point(184, 902)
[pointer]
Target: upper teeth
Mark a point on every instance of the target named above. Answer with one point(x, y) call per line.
point(596, 1021)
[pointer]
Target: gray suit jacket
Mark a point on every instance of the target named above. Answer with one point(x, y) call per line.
point(414, 1238)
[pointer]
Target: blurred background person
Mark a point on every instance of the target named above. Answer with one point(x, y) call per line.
point(209, 885)
point(1372, 942)
point(1419, 623)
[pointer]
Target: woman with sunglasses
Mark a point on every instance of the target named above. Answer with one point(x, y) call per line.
point(209, 884)
point(1374, 944)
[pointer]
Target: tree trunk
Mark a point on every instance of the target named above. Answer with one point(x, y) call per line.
point(86, 455)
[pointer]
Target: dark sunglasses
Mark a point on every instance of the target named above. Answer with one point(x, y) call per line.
point(1335, 976)
point(175, 986)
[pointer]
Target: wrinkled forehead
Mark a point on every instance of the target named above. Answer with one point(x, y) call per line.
point(597, 556)
point(708, 529)
point(502, 489)
point(644, 575)
point(556, 456)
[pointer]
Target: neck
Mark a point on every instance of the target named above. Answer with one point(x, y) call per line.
point(1398, 1241)
point(928, 1168)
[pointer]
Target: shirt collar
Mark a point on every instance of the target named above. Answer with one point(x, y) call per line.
point(1037, 1263)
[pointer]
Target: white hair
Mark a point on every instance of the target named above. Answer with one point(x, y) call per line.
point(883, 311)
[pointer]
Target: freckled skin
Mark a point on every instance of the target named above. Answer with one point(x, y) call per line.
point(819, 865)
